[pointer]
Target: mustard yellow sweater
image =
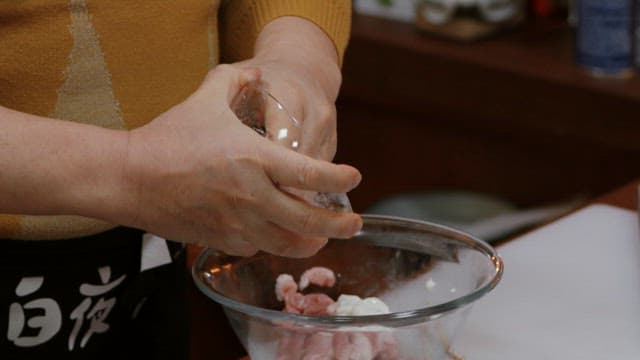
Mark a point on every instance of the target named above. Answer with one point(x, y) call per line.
point(120, 63)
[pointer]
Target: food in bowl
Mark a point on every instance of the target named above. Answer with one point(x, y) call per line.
point(379, 345)
point(429, 276)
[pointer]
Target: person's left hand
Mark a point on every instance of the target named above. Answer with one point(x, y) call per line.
point(299, 67)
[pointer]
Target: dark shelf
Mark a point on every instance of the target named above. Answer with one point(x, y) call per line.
point(511, 115)
point(540, 50)
point(526, 79)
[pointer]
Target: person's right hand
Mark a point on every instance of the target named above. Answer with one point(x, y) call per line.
point(197, 174)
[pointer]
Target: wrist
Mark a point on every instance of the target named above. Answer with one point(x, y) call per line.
point(102, 190)
point(302, 44)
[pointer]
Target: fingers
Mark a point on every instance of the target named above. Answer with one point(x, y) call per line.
point(284, 128)
point(276, 240)
point(313, 127)
point(301, 218)
point(258, 233)
point(225, 81)
point(284, 114)
point(302, 172)
point(285, 225)
point(238, 247)
point(319, 132)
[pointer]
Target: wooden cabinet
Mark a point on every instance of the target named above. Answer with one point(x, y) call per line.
point(511, 116)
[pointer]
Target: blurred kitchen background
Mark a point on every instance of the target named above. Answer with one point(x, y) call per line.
point(489, 115)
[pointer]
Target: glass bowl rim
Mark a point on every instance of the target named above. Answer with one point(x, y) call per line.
point(400, 318)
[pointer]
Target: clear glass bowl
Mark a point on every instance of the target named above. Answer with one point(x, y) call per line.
point(427, 274)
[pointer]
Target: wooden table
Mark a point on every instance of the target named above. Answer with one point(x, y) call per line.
point(212, 338)
point(624, 197)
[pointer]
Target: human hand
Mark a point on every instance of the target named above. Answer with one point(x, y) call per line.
point(197, 174)
point(295, 89)
point(261, 111)
point(299, 67)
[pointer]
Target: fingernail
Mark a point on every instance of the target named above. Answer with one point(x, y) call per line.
point(356, 227)
point(357, 181)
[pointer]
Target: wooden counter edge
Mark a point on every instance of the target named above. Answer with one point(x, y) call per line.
point(624, 197)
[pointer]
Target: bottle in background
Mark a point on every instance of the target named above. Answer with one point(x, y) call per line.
point(637, 33)
point(572, 13)
point(604, 37)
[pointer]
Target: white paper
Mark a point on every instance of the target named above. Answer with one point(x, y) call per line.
point(571, 290)
point(155, 252)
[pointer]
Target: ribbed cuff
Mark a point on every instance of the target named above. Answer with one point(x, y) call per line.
point(244, 19)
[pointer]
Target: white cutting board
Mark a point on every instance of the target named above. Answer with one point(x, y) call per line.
point(571, 290)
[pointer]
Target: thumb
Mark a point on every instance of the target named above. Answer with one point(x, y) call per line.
point(288, 168)
point(225, 81)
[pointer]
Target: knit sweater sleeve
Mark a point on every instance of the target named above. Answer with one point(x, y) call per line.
point(242, 20)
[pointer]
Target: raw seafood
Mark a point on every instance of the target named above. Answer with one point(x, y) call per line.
point(361, 344)
point(317, 275)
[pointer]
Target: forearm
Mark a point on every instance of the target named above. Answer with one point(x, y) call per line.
point(194, 174)
point(300, 41)
point(57, 167)
point(243, 20)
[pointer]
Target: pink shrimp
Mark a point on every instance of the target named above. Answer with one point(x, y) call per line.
point(317, 275)
point(318, 346)
point(294, 303)
point(291, 346)
point(384, 345)
point(297, 303)
point(312, 304)
point(323, 345)
point(353, 346)
point(285, 285)
point(316, 304)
